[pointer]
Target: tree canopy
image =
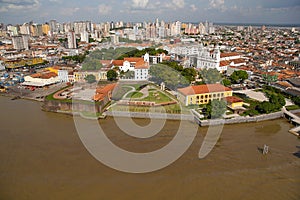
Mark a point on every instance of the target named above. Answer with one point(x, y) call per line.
point(275, 103)
point(140, 53)
point(111, 75)
point(226, 82)
point(216, 108)
point(90, 78)
point(189, 74)
point(172, 78)
point(210, 76)
point(238, 76)
point(91, 64)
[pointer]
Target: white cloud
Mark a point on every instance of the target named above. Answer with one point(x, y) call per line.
point(69, 11)
point(140, 3)
point(10, 5)
point(178, 3)
point(56, 1)
point(104, 9)
point(218, 4)
point(193, 7)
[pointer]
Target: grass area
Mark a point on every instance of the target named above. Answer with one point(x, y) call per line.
point(157, 97)
point(292, 107)
point(118, 93)
point(90, 114)
point(134, 95)
point(152, 89)
point(172, 109)
point(50, 97)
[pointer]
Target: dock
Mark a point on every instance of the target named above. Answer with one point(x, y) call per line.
point(294, 119)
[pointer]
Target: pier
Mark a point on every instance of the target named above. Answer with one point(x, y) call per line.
point(294, 119)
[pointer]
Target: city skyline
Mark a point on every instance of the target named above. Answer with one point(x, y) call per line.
point(220, 11)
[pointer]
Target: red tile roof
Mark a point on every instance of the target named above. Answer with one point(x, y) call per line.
point(102, 92)
point(118, 62)
point(202, 89)
point(224, 63)
point(233, 99)
point(223, 55)
point(134, 59)
point(141, 65)
point(46, 75)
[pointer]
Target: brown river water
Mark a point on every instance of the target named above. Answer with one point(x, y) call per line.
point(42, 157)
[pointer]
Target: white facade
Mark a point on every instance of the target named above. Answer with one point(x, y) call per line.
point(39, 82)
point(204, 59)
point(127, 66)
point(63, 76)
point(141, 74)
point(71, 40)
point(84, 37)
point(20, 42)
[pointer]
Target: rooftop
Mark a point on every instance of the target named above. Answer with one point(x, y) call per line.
point(233, 99)
point(203, 89)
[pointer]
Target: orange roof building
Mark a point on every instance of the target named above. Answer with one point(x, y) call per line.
point(203, 94)
point(104, 92)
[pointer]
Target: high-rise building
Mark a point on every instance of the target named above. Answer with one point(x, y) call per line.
point(20, 42)
point(72, 40)
point(202, 30)
point(53, 26)
point(12, 30)
point(114, 39)
point(24, 29)
point(84, 36)
point(46, 29)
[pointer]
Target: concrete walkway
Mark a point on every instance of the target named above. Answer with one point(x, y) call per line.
point(259, 96)
point(132, 90)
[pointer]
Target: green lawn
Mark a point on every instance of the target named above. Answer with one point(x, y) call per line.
point(172, 109)
point(292, 107)
point(118, 93)
point(134, 95)
point(157, 97)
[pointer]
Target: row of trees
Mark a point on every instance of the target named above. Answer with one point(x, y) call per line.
point(171, 77)
point(275, 103)
point(77, 58)
point(236, 77)
point(172, 74)
point(111, 76)
point(188, 73)
point(215, 109)
point(211, 76)
point(140, 53)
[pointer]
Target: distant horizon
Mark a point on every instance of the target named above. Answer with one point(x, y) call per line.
point(287, 24)
point(218, 11)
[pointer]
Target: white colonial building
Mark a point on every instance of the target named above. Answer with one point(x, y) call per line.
point(140, 66)
point(63, 76)
point(205, 58)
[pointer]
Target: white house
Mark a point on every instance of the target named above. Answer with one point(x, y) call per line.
point(41, 79)
point(140, 66)
point(205, 59)
point(141, 71)
point(63, 76)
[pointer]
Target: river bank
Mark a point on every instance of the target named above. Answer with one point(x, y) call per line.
point(43, 158)
point(95, 111)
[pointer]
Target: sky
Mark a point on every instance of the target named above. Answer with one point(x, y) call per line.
point(218, 11)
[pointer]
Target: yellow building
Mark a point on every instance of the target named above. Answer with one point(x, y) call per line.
point(53, 69)
point(23, 62)
point(203, 94)
point(99, 75)
point(46, 29)
point(234, 102)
